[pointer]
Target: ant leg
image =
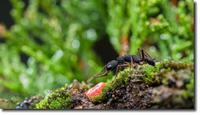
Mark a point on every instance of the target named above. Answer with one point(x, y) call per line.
point(141, 53)
point(147, 55)
point(119, 66)
point(123, 65)
point(117, 69)
point(144, 54)
point(131, 62)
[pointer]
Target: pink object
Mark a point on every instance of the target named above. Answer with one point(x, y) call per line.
point(96, 90)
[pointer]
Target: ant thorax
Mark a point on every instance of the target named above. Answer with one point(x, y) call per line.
point(136, 59)
point(129, 59)
point(120, 59)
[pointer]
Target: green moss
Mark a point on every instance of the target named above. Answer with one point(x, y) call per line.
point(122, 78)
point(155, 73)
point(176, 65)
point(149, 72)
point(55, 104)
point(58, 99)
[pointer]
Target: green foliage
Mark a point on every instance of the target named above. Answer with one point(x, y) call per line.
point(58, 46)
point(58, 37)
point(153, 22)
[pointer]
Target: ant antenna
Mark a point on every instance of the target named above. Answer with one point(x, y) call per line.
point(101, 74)
point(144, 54)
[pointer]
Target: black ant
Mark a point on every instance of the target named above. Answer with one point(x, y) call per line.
point(125, 61)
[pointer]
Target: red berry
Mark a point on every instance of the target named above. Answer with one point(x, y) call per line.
point(96, 90)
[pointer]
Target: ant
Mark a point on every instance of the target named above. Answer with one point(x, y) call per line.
point(125, 61)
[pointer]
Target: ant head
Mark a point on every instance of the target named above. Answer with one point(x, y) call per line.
point(150, 61)
point(110, 65)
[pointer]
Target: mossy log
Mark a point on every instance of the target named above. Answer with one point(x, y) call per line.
point(168, 85)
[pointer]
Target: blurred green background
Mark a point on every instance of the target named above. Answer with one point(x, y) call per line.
point(53, 42)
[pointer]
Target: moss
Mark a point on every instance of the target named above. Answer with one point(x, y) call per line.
point(154, 73)
point(55, 104)
point(163, 73)
point(176, 65)
point(149, 73)
point(58, 99)
point(122, 78)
